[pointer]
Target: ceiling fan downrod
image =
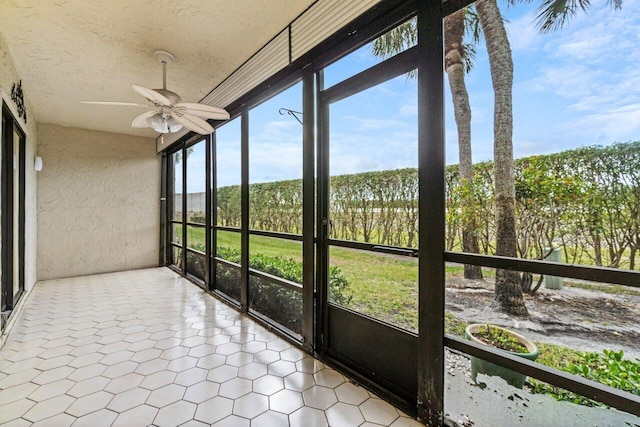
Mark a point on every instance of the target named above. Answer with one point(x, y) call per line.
point(164, 58)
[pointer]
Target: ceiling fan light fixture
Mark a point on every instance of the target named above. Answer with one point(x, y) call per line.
point(173, 125)
point(157, 123)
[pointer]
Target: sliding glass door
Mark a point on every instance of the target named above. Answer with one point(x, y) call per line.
point(12, 205)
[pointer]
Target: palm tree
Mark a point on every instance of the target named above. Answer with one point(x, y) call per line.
point(508, 291)
point(552, 15)
point(457, 62)
point(454, 57)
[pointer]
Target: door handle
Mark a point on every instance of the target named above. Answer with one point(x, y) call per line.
point(329, 225)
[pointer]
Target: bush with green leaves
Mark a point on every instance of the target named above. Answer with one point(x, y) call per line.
point(609, 368)
point(290, 269)
point(281, 303)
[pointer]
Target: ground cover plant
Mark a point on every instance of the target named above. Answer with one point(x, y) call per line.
point(607, 367)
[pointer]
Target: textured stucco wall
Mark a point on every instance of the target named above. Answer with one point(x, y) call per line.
point(98, 202)
point(8, 76)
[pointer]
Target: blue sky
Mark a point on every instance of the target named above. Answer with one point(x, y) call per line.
point(574, 87)
point(577, 86)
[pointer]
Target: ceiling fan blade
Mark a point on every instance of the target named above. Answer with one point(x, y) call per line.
point(152, 95)
point(192, 122)
point(126, 104)
point(141, 120)
point(203, 110)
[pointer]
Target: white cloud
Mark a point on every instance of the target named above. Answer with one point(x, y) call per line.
point(282, 125)
point(588, 50)
point(409, 110)
point(371, 124)
point(523, 36)
point(614, 125)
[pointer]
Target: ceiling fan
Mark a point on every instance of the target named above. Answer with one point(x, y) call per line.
point(169, 113)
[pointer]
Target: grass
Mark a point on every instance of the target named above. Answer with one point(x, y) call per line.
point(453, 325)
point(557, 355)
point(385, 287)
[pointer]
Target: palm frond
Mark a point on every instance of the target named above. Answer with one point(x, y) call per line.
point(472, 24)
point(615, 4)
point(469, 56)
point(554, 14)
point(397, 40)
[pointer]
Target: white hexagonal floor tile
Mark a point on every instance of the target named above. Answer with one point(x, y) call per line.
point(378, 411)
point(222, 373)
point(213, 410)
point(286, 401)
point(175, 414)
point(319, 397)
point(157, 380)
point(201, 391)
point(343, 414)
point(166, 395)
point(308, 417)
point(268, 385)
point(350, 393)
point(128, 399)
point(282, 368)
point(270, 419)
point(142, 415)
point(299, 381)
point(136, 356)
point(250, 405)
point(191, 376)
point(235, 388)
point(90, 403)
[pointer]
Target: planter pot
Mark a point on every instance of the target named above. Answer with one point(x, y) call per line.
point(481, 366)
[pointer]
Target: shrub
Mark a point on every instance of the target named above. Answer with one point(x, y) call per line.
point(281, 303)
point(609, 368)
point(290, 269)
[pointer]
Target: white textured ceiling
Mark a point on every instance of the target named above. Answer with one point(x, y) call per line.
point(67, 51)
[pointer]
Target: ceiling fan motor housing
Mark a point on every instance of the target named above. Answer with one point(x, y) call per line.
point(171, 96)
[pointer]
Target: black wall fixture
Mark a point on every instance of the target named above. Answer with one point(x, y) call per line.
point(18, 97)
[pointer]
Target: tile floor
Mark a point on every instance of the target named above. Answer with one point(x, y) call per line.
point(147, 347)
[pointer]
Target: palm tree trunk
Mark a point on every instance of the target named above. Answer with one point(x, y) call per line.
point(453, 34)
point(508, 292)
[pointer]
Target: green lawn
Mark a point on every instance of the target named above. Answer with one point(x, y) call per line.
point(383, 286)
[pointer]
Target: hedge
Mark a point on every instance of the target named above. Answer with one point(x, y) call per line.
point(585, 201)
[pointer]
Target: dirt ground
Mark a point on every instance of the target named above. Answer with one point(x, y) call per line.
point(587, 320)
